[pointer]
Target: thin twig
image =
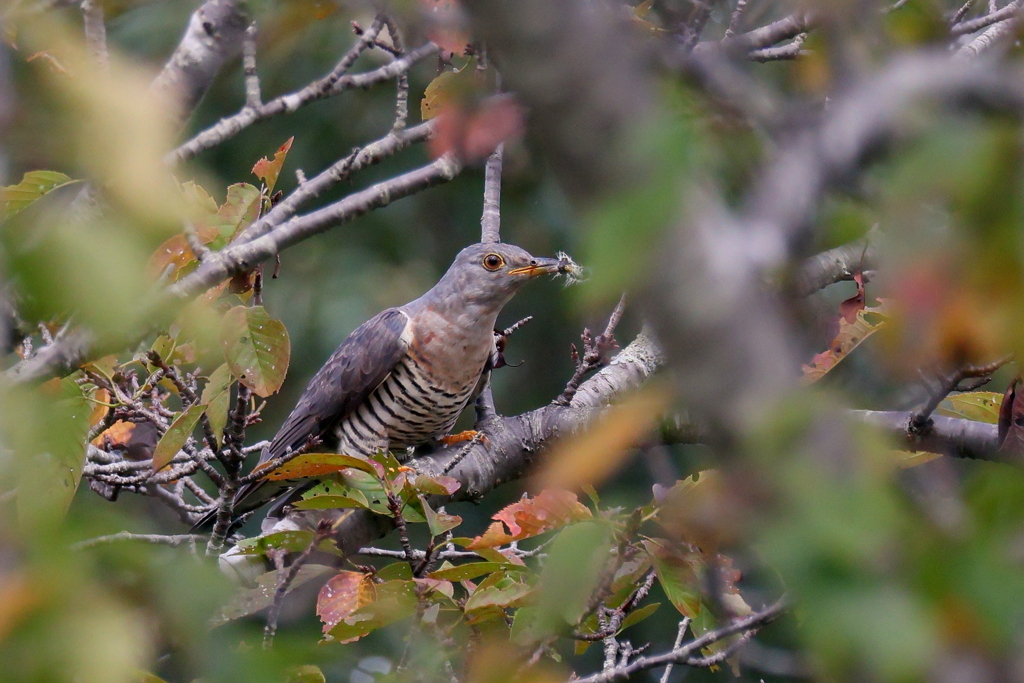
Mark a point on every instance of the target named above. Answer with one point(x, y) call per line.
point(253, 97)
point(594, 351)
point(285, 580)
point(680, 634)
point(490, 221)
point(96, 32)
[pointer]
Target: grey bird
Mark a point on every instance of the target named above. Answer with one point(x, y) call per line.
point(402, 378)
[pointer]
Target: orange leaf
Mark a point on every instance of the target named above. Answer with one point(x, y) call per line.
point(117, 435)
point(850, 337)
point(269, 170)
point(551, 509)
point(176, 252)
point(342, 595)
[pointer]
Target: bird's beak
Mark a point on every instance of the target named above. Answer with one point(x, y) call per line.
point(540, 266)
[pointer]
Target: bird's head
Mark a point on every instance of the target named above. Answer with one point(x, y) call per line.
point(490, 274)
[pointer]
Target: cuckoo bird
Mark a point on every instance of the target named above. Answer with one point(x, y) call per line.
point(402, 378)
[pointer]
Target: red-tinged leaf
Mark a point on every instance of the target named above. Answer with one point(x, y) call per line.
point(1011, 419)
point(506, 556)
point(256, 348)
point(176, 435)
point(269, 170)
point(343, 594)
point(33, 185)
point(321, 464)
point(551, 509)
point(679, 576)
point(466, 572)
point(217, 396)
point(472, 132)
point(444, 31)
point(239, 210)
point(175, 254)
point(445, 588)
point(980, 406)
point(439, 485)
point(848, 309)
point(395, 600)
point(869, 321)
point(438, 521)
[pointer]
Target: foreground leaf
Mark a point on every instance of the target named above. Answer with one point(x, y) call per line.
point(256, 348)
point(252, 600)
point(33, 185)
point(551, 509)
point(395, 600)
point(343, 594)
point(176, 436)
point(217, 396)
point(868, 321)
point(322, 464)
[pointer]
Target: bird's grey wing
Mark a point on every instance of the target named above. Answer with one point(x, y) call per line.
point(349, 376)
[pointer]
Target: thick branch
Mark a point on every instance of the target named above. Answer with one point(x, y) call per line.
point(214, 35)
point(490, 221)
point(836, 265)
point(513, 443)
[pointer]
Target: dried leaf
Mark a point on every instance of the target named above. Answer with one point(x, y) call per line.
point(342, 595)
point(848, 309)
point(395, 600)
point(33, 185)
point(551, 509)
point(116, 435)
point(869, 321)
point(269, 170)
point(176, 435)
point(596, 453)
point(256, 348)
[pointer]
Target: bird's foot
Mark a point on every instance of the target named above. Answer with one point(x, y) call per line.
point(462, 437)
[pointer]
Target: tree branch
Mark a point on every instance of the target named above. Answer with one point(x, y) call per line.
point(242, 257)
point(214, 35)
point(490, 221)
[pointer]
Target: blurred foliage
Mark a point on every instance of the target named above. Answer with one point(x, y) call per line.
point(898, 568)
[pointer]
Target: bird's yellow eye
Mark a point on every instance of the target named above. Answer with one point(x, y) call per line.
point(493, 262)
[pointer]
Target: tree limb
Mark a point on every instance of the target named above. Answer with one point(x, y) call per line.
point(214, 35)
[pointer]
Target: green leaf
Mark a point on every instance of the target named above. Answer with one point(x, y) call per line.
point(467, 572)
point(498, 592)
point(46, 427)
point(395, 570)
point(240, 209)
point(636, 616)
point(307, 673)
point(217, 397)
point(330, 503)
point(292, 541)
point(33, 185)
point(572, 570)
point(176, 435)
point(314, 465)
point(256, 348)
point(980, 406)
point(439, 522)
point(270, 170)
point(678, 576)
